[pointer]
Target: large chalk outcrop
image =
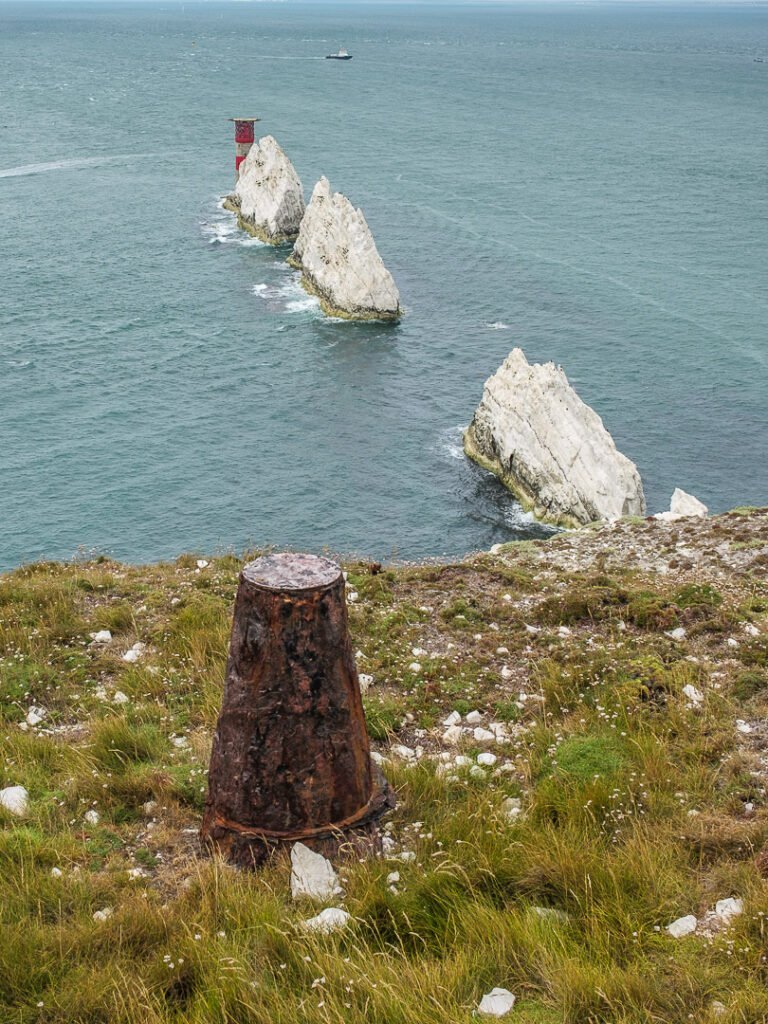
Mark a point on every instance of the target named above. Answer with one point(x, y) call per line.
point(268, 197)
point(339, 260)
point(534, 432)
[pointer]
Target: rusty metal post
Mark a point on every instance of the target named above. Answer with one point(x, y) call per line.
point(291, 758)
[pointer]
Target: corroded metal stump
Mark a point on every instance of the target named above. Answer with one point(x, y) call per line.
point(291, 758)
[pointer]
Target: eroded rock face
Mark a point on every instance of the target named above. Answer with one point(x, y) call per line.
point(269, 196)
point(339, 260)
point(683, 506)
point(534, 432)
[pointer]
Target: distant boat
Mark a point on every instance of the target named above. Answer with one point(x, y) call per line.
point(341, 55)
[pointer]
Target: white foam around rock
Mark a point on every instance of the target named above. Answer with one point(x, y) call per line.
point(332, 919)
point(534, 432)
point(338, 257)
point(312, 875)
point(496, 1003)
point(15, 799)
point(269, 193)
point(682, 926)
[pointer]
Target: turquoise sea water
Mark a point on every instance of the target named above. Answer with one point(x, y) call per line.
point(585, 181)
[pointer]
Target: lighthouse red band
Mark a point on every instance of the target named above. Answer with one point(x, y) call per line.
point(244, 136)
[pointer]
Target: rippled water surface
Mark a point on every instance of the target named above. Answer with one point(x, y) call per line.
point(585, 181)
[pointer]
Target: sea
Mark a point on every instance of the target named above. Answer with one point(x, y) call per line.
point(584, 180)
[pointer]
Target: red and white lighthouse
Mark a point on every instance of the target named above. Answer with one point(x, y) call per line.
point(243, 139)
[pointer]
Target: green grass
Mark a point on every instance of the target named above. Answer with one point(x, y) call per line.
point(632, 800)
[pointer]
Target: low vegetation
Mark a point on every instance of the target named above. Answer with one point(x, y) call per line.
point(629, 667)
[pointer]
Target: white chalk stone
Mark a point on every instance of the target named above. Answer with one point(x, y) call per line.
point(483, 736)
point(35, 716)
point(496, 1003)
point(682, 504)
point(474, 718)
point(332, 919)
point(452, 735)
point(118, 697)
point(102, 637)
point(400, 750)
point(682, 926)
point(15, 799)
point(534, 432)
point(487, 760)
point(103, 915)
point(453, 719)
point(512, 807)
point(339, 260)
point(729, 908)
point(694, 695)
point(366, 681)
point(202, 563)
point(56, 872)
point(393, 878)
point(269, 193)
point(311, 874)
point(135, 652)
point(676, 634)
point(92, 817)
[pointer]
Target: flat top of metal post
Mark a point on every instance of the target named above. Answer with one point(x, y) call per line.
point(289, 571)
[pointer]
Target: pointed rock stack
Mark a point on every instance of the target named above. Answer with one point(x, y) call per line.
point(269, 197)
point(534, 432)
point(339, 261)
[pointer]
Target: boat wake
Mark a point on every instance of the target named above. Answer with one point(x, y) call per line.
point(65, 165)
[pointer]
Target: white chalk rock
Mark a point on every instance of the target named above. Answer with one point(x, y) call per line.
point(453, 719)
point(534, 432)
point(35, 716)
point(15, 799)
point(103, 915)
point(332, 919)
point(683, 504)
point(102, 637)
point(487, 760)
point(682, 926)
point(729, 908)
point(452, 735)
point(311, 874)
point(483, 736)
point(339, 261)
point(269, 196)
point(496, 1003)
point(474, 718)
point(366, 681)
point(694, 695)
point(92, 817)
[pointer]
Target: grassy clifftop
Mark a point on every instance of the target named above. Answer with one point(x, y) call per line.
point(624, 675)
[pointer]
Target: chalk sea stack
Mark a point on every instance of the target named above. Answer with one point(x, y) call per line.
point(268, 197)
point(339, 261)
point(534, 432)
